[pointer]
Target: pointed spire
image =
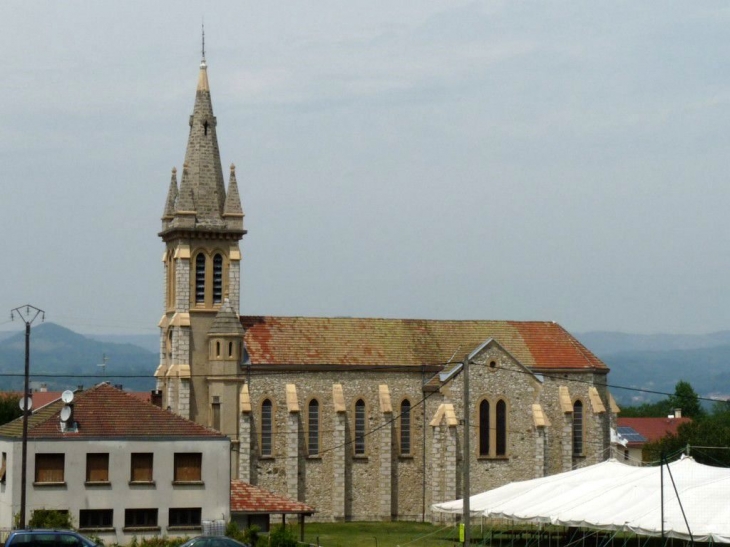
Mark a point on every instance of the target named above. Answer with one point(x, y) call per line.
point(232, 211)
point(203, 158)
point(172, 193)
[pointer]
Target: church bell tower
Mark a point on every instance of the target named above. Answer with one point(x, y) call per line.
point(202, 225)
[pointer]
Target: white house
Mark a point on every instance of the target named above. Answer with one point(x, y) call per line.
point(120, 466)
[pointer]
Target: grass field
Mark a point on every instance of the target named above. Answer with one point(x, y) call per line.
point(379, 534)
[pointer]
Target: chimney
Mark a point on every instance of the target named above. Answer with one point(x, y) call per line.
point(156, 398)
point(43, 388)
point(677, 412)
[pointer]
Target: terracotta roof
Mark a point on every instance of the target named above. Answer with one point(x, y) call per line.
point(42, 398)
point(247, 498)
point(653, 429)
point(105, 411)
point(356, 341)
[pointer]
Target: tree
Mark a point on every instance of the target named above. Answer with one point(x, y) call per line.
point(686, 399)
point(9, 407)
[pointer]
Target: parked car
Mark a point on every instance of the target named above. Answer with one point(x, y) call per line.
point(47, 538)
point(213, 541)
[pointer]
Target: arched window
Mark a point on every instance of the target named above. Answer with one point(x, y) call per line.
point(501, 427)
point(578, 428)
point(313, 429)
point(217, 279)
point(405, 427)
point(230, 349)
point(484, 428)
point(200, 279)
point(217, 348)
point(267, 425)
point(171, 280)
point(360, 427)
point(168, 346)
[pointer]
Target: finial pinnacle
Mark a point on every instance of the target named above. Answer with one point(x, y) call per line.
point(203, 29)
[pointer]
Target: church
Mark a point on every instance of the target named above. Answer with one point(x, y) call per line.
point(360, 418)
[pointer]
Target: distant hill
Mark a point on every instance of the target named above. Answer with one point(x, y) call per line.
point(64, 359)
point(150, 342)
point(657, 362)
point(606, 343)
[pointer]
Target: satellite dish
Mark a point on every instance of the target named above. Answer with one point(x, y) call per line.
point(67, 396)
point(25, 402)
point(66, 413)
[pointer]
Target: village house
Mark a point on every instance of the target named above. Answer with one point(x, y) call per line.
point(121, 467)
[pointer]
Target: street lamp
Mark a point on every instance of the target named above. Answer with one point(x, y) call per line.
point(27, 314)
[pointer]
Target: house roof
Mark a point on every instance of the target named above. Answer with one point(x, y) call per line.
point(653, 429)
point(105, 411)
point(247, 498)
point(365, 341)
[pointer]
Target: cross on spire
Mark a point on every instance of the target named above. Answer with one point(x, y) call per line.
point(203, 29)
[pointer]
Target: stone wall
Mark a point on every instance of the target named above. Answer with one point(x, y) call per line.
point(384, 484)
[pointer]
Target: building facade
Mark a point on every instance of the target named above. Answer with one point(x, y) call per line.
point(121, 467)
point(362, 419)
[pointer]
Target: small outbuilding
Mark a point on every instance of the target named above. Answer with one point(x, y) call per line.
point(251, 505)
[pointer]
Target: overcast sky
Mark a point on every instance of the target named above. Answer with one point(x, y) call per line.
point(430, 159)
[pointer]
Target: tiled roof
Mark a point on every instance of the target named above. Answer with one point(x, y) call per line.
point(105, 411)
point(246, 498)
point(653, 429)
point(357, 341)
point(42, 398)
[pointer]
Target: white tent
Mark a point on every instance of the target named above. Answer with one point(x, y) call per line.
point(614, 496)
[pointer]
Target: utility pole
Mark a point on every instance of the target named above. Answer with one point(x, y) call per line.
point(466, 459)
point(27, 314)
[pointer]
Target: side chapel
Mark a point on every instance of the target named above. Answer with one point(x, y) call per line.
point(360, 418)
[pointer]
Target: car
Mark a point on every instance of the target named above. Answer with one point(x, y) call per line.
point(213, 541)
point(47, 538)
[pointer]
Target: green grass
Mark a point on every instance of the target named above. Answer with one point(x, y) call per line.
point(380, 534)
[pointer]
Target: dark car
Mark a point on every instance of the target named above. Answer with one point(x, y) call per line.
point(213, 541)
point(47, 538)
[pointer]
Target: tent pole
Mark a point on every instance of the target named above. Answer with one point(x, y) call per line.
point(661, 487)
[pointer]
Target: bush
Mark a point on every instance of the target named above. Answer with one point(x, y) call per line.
point(252, 535)
point(249, 536)
point(50, 518)
point(281, 536)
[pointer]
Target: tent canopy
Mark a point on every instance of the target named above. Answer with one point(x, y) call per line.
point(615, 496)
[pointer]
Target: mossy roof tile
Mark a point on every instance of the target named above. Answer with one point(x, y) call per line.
point(539, 345)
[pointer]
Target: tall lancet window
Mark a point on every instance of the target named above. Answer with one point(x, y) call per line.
point(217, 279)
point(484, 433)
point(360, 428)
point(501, 428)
point(200, 278)
point(313, 433)
point(578, 428)
point(267, 427)
point(405, 427)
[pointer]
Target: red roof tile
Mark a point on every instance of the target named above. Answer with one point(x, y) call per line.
point(653, 429)
point(357, 341)
point(105, 411)
point(247, 498)
point(42, 398)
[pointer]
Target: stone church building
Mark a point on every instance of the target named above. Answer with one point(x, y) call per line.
point(360, 418)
